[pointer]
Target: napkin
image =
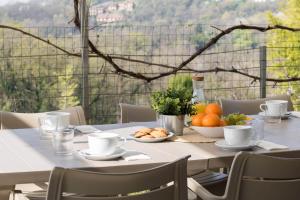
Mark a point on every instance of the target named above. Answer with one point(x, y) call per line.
point(269, 145)
point(295, 114)
point(86, 129)
point(135, 155)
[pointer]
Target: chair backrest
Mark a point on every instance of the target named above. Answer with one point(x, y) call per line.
point(77, 116)
point(250, 107)
point(263, 177)
point(167, 182)
point(13, 120)
point(134, 113)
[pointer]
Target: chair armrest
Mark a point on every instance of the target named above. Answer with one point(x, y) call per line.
point(200, 191)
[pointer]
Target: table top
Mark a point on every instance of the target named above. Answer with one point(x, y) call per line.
point(25, 158)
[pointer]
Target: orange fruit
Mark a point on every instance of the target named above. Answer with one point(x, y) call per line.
point(197, 119)
point(211, 120)
point(213, 108)
point(223, 122)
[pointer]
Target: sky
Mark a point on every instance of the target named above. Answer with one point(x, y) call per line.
point(3, 2)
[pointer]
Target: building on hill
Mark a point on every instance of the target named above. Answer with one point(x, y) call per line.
point(111, 11)
point(109, 18)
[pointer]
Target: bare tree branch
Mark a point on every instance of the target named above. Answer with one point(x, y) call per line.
point(181, 66)
point(95, 52)
point(40, 39)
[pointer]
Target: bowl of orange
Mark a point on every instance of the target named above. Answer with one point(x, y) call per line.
point(209, 122)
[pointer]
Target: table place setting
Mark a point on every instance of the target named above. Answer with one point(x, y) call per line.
point(102, 145)
point(251, 134)
point(243, 138)
point(276, 110)
point(108, 146)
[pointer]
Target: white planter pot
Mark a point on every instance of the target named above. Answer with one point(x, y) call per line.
point(173, 123)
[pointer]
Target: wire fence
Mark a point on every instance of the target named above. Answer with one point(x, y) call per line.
point(37, 77)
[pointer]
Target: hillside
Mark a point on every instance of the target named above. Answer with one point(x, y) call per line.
point(59, 12)
point(202, 11)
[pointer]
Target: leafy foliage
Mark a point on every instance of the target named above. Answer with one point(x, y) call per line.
point(31, 85)
point(181, 82)
point(59, 12)
point(235, 119)
point(172, 102)
point(287, 57)
point(203, 11)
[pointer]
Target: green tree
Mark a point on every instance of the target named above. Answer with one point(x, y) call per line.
point(35, 84)
point(285, 46)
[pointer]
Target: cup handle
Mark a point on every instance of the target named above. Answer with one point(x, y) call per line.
point(123, 141)
point(263, 107)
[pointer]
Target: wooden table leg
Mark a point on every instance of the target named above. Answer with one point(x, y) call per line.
point(5, 192)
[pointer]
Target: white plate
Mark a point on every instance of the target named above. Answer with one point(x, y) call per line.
point(151, 140)
point(211, 132)
point(222, 144)
point(286, 116)
point(118, 153)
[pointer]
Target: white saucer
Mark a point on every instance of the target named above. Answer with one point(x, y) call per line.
point(118, 153)
point(151, 140)
point(222, 144)
point(286, 116)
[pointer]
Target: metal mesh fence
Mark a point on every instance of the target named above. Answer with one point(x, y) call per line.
point(36, 77)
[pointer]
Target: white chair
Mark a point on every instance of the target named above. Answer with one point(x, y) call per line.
point(167, 182)
point(257, 177)
point(13, 120)
point(134, 113)
point(250, 107)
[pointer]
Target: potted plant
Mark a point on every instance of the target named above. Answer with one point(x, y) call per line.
point(172, 105)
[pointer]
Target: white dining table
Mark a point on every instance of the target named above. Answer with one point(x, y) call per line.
point(24, 158)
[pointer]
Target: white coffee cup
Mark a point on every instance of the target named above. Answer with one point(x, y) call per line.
point(274, 107)
point(238, 135)
point(104, 143)
point(59, 119)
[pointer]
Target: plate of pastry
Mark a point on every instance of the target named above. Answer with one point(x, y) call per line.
point(150, 135)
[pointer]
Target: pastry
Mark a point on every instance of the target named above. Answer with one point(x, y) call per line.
point(162, 129)
point(139, 134)
point(145, 130)
point(142, 132)
point(158, 134)
point(147, 137)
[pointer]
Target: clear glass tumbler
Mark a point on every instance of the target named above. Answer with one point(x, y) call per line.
point(273, 119)
point(47, 125)
point(258, 125)
point(63, 141)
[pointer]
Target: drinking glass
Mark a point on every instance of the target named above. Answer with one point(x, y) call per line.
point(47, 125)
point(258, 125)
point(63, 141)
point(274, 119)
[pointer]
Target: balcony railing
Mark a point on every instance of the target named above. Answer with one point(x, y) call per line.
point(37, 77)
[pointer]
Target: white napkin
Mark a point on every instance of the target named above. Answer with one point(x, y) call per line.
point(86, 129)
point(269, 145)
point(295, 113)
point(135, 155)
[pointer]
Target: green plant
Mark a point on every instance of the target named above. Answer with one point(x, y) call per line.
point(286, 59)
point(172, 102)
point(181, 82)
point(235, 119)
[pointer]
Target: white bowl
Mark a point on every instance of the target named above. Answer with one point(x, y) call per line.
point(212, 132)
